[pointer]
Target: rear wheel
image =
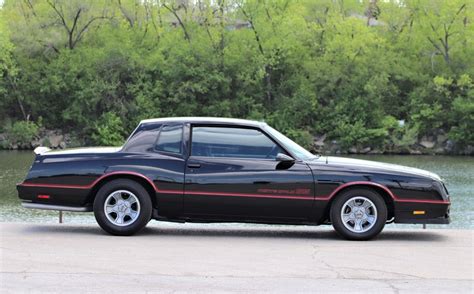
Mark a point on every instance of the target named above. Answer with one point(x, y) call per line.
point(122, 207)
point(359, 214)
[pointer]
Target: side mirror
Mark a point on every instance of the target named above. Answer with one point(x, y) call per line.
point(284, 158)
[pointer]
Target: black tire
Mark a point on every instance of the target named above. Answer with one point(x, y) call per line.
point(144, 202)
point(380, 219)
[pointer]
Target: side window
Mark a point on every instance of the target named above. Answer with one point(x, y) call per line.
point(143, 138)
point(232, 142)
point(170, 139)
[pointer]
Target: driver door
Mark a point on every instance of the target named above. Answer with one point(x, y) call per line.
point(232, 174)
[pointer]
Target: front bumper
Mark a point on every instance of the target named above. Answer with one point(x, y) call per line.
point(433, 213)
point(438, 221)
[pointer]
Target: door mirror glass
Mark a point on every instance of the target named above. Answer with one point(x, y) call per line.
point(284, 158)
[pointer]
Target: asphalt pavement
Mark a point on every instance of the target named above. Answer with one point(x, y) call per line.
point(203, 258)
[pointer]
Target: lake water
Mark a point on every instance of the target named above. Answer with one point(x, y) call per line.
point(457, 171)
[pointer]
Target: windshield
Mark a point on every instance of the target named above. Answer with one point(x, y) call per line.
point(291, 146)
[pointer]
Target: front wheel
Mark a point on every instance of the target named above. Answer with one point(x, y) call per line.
point(359, 214)
point(122, 207)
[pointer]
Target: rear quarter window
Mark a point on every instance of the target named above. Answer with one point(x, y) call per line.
point(143, 139)
point(170, 139)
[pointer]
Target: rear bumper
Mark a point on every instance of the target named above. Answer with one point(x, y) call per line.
point(58, 195)
point(55, 207)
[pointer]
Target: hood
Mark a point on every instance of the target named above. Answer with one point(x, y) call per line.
point(45, 151)
point(374, 166)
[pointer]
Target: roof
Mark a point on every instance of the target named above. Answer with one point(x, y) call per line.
point(213, 120)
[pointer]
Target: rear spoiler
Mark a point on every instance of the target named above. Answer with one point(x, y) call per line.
point(40, 150)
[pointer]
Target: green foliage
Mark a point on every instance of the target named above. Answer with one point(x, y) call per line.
point(109, 130)
point(404, 137)
point(462, 114)
point(96, 68)
point(356, 134)
point(462, 131)
point(302, 137)
point(22, 132)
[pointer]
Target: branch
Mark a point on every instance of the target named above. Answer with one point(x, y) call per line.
point(181, 24)
point(149, 14)
point(457, 13)
point(125, 14)
point(207, 25)
point(79, 35)
point(268, 69)
point(257, 37)
point(61, 16)
point(17, 95)
point(30, 5)
point(435, 45)
point(76, 18)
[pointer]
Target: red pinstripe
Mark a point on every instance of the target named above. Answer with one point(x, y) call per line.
point(320, 198)
point(395, 198)
point(249, 195)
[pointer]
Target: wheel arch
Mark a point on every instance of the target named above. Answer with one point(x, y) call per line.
point(139, 178)
point(383, 191)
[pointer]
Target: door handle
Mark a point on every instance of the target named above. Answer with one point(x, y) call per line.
point(194, 165)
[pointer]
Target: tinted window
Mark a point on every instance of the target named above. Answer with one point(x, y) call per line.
point(232, 142)
point(143, 138)
point(290, 145)
point(169, 139)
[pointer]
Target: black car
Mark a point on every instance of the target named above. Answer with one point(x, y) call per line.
point(196, 169)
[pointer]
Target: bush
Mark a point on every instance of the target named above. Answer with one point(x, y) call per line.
point(404, 137)
point(358, 135)
point(462, 129)
point(109, 130)
point(301, 137)
point(22, 132)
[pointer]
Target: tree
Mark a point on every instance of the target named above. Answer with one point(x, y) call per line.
point(345, 69)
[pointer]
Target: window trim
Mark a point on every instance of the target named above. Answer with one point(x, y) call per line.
point(192, 126)
point(169, 153)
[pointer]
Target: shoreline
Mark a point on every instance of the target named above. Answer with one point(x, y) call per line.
point(440, 144)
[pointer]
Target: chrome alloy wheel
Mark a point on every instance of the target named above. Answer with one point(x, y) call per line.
point(122, 208)
point(359, 214)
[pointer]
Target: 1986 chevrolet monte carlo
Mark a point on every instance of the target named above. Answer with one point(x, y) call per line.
point(197, 169)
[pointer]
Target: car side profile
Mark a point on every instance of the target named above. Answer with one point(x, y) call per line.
point(198, 169)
